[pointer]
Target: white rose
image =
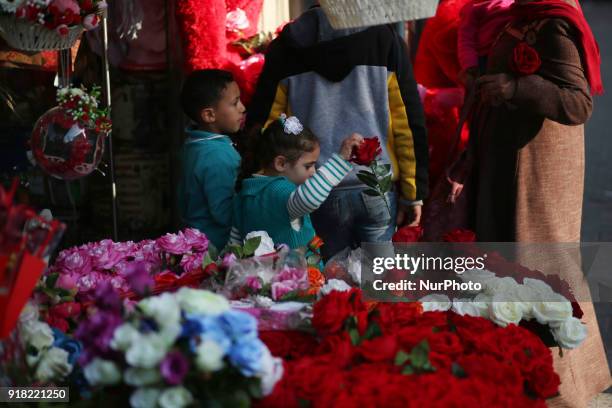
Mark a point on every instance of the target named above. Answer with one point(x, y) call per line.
point(53, 365)
point(570, 333)
point(266, 245)
point(477, 275)
point(504, 288)
point(147, 352)
point(29, 313)
point(145, 398)
point(335, 284)
point(553, 311)
point(271, 372)
point(435, 302)
point(465, 307)
point(175, 397)
point(102, 372)
point(503, 313)
point(482, 301)
point(201, 301)
point(209, 356)
point(164, 309)
point(354, 265)
point(37, 334)
point(139, 377)
point(237, 20)
point(170, 333)
point(124, 336)
point(541, 288)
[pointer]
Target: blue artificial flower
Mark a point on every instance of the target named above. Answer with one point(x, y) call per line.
point(72, 346)
point(205, 327)
point(239, 326)
point(247, 356)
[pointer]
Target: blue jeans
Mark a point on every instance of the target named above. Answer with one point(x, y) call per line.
point(349, 217)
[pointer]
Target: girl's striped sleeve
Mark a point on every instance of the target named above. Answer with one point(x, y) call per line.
point(310, 195)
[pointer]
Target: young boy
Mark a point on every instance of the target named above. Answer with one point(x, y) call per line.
point(210, 164)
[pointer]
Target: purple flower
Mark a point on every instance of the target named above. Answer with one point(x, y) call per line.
point(228, 260)
point(174, 367)
point(173, 244)
point(195, 239)
point(280, 289)
point(107, 299)
point(138, 278)
point(191, 262)
point(253, 282)
point(96, 333)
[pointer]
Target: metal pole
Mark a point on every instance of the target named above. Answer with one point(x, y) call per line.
point(107, 100)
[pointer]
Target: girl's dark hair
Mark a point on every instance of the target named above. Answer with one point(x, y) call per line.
point(259, 149)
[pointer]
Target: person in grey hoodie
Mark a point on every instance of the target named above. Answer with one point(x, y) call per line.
point(342, 81)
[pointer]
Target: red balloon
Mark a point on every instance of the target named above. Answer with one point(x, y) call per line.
point(66, 148)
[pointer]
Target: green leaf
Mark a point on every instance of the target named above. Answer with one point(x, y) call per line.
point(458, 371)
point(385, 184)
point(303, 403)
point(408, 370)
point(371, 193)
point(52, 280)
point(236, 250)
point(354, 333)
point(401, 357)
point(372, 331)
point(207, 260)
point(213, 252)
point(368, 179)
point(251, 245)
point(382, 170)
point(420, 354)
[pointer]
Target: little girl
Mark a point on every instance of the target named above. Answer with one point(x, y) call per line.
point(285, 189)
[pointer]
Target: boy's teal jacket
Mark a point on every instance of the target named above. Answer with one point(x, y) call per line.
point(261, 205)
point(210, 166)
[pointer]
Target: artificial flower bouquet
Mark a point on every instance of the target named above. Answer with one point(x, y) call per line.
point(134, 269)
point(370, 353)
point(176, 349)
point(58, 15)
point(83, 106)
point(258, 268)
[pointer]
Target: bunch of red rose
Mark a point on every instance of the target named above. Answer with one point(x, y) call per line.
point(60, 15)
point(393, 355)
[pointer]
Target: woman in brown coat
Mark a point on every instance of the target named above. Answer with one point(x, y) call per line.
point(527, 141)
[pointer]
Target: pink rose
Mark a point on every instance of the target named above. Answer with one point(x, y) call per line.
point(90, 281)
point(67, 281)
point(191, 262)
point(91, 21)
point(195, 239)
point(253, 282)
point(78, 262)
point(104, 256)
point(228, 260)
point(173, 244)
point(297, 276)
point(64, 6)
point(280, 289)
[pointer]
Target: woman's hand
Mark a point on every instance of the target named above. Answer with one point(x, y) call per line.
point(495, 89)
point(346, 150)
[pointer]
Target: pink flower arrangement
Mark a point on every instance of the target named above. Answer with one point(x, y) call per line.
point(289, 280)
point(59, 15)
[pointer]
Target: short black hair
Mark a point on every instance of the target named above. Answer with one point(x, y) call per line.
point(202, 89)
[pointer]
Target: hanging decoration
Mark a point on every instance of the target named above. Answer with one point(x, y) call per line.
point(68, 140)
point(38, 25)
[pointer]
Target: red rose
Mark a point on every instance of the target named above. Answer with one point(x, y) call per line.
point(379, 349)
point(408, 234)
point(57, 322)
point(367, 152)
point(66, 310)
point(526, 59)
point(544, 381)
point(459, 235)
point(289, 343)
point(330, 313)
point(445, 343)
